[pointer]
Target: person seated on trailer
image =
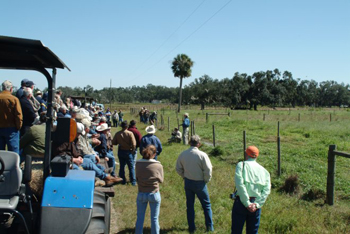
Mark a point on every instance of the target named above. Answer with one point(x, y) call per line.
point(102, 149)
point(84, 146)
point(39, 98)
point(33, 141)
point(62, 111)
point(176, 136)
point(69, 148)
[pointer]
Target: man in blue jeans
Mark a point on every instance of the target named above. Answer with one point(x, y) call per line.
point(195, 167)
point(253, 185)
point(11, 118)
point(127, 145)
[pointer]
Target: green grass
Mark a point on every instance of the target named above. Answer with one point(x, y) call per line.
point(304, 147)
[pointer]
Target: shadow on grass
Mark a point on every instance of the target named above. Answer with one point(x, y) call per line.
point(148, 230)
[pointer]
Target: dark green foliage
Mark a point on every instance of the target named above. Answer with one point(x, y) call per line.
point(291, 185)
point(217, 151)
point(242, 91)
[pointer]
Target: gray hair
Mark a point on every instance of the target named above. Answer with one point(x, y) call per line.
point(27, 92)
point(194, 140)
point(7, 85)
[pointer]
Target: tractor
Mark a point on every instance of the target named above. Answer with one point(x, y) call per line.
point(69, 202)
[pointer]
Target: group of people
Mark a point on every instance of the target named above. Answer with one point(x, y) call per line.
point(147, 117)
point(95, 141)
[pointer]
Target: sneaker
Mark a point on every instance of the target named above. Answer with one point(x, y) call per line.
point(110, 181)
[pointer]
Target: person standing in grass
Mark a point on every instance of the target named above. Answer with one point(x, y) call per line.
point(253, 186)
point(185, 130)
point(195, 167)
point(149, 174)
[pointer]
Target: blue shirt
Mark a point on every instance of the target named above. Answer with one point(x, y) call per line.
point(151, 139)
point(186, 123)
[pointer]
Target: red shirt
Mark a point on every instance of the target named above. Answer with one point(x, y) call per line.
point(137, 135)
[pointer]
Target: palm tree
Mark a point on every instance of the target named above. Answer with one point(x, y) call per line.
point(181, 67)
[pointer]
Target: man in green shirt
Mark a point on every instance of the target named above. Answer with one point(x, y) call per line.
point(253, 186)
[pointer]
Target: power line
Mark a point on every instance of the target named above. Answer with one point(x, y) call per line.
point(168, 38)
point(183, 40)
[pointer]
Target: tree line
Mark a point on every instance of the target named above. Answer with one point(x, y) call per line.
point(263, 88)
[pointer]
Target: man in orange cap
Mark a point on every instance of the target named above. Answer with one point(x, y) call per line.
point(253, 186)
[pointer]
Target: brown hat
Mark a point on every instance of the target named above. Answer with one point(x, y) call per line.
point(252, 151)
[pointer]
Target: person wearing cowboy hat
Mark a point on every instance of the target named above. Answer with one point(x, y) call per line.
point(151, 139)
point(38, 97)
point(127, 145)
point(102, 149)
point(253, 186)
point(185, 126)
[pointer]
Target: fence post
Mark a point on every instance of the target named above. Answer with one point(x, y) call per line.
point(330, 117)
point(213, 135)
point(229, 114)
point(194, 128)
point(278, 150)
point(244, 145)
point(299, 117)
point(264, 117)
point(161, 120)
point(331, 175)
point(206, 117)
point(178, 124)
point(191, 133)
point(168, 124)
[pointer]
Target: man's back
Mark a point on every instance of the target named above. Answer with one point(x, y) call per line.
point(194, 164)
point(10, 111)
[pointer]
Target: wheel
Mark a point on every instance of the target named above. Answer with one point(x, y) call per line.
point(101, 215)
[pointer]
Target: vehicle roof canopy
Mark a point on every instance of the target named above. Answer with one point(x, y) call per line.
point(27, 54)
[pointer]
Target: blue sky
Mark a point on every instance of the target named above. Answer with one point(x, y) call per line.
point(133, 42)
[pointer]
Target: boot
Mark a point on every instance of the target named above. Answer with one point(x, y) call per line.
point(110, 181)
point(109, 170)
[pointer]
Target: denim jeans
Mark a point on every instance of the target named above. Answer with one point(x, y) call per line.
point(90, 166)
point(9, 137)
point(240, 215)
point(154, 200)
point(111, 161)
point(126, 157)
point(199, 188)
point(93, 159)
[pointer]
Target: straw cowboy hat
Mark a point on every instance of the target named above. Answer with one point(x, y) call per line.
point(150, 129)
point(102, 127)
point(186, 114)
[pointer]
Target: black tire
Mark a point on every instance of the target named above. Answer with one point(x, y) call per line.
point(101, 214)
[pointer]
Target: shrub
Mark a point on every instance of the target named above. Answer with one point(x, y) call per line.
point(291, 185)
point(217, 151)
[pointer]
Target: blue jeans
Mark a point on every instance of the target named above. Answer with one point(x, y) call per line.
point(240, 215)
point(93, 159)
point(90, 166)
point(154, 200)
point(126, 157)
point(199, 188)
point(111, 161)
point(9, 137)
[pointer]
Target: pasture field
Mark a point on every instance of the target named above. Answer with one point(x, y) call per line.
point(304, 147)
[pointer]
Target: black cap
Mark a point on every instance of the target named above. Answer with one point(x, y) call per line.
point(29, 83)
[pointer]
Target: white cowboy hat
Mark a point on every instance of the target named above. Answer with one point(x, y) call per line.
point(81, 128)
point(102, 127)
point(186, 114)
point(150, 129)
